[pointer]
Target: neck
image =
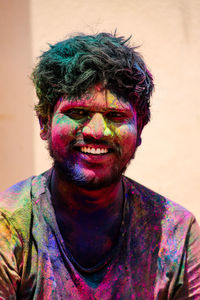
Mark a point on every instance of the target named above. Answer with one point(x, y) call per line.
point(83, 215)
point(74, 200)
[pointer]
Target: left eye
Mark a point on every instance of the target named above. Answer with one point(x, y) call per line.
point(115, 116)
point(76, 113)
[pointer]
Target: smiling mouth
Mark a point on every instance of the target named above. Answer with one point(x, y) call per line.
point(95, 151)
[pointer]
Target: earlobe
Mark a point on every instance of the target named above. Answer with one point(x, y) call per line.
point(139, 141)
point(44, 132)
point(139, 132)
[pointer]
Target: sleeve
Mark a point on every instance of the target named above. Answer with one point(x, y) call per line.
point(190, 289)
point(10, 257)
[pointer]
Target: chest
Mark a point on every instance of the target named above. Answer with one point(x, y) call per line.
point(89, 247)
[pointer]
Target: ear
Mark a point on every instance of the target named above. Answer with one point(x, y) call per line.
point(139, 132)
point(44, 128)
point(139, 141)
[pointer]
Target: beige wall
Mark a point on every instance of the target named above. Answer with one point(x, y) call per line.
point(16, 117)
point(168, 32)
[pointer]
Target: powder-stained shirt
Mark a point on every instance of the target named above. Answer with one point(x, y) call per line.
point(157, 255)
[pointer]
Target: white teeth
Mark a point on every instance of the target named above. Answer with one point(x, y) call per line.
point(98, 151)
point(93, 150)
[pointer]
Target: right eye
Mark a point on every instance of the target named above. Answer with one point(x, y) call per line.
point(76, 113)
point(115, 116)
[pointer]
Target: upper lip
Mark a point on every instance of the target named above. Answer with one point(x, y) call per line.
point(100, 145)
point(95, 146)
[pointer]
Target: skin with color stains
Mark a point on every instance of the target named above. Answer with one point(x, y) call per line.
point(99, 120)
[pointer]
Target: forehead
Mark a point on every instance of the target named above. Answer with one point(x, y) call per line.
point(95, 100)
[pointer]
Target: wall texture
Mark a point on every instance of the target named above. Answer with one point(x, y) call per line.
point(16, 117)
point(168, 34)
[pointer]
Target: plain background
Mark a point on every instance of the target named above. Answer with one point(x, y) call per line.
point(168, 33)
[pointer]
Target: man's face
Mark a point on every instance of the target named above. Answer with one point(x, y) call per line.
point(92, 138)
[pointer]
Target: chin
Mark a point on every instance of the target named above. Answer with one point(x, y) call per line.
point(73, 174)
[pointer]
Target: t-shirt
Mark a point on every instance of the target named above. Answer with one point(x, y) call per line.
point(157, 255)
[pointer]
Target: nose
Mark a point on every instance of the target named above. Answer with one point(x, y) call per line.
point(96, 128)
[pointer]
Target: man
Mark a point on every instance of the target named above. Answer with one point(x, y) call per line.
point(82, 230)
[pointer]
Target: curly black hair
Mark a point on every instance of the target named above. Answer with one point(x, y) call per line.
point(75, 65)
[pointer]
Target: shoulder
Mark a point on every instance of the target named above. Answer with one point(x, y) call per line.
point(173, 227)
point(20, 195)
point(16, 202)
point(15, 208)
point(16, 196)
point(156, 206)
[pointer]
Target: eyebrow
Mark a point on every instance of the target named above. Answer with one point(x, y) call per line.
point(81, 105)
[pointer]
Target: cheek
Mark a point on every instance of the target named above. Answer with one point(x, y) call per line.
point(127, 136)
point(62, 133)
